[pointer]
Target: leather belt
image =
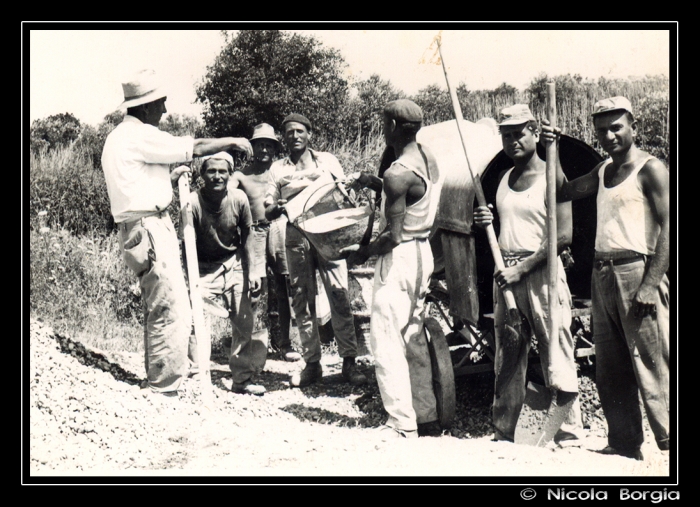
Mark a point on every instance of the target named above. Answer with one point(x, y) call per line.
point(122, 226)
point(601, 263)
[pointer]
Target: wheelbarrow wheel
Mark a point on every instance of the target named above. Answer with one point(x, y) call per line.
point(443, 373)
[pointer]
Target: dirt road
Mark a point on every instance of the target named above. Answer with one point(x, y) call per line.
point(88, 417)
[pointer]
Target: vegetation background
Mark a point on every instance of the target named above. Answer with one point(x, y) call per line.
point(78, 281)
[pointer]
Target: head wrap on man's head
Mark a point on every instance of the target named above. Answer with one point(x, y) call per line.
point(222, 155)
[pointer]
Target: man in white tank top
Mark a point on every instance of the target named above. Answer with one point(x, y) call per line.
point(629, 285)
point(521, 205)
point(401, 277)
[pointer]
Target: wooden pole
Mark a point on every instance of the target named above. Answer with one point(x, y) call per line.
point(481, 199)
point(201, 331)
point(552, 254)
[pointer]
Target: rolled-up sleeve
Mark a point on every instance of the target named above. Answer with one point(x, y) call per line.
point(333, 165)
point(158, 147)
point(273, 191)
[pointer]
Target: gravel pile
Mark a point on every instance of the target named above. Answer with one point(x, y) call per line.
point(87, 413)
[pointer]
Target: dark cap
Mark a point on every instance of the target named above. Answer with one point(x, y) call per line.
point(403, 110)
point(299, 118)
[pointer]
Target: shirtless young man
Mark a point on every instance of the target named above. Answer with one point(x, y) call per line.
point(267, 236)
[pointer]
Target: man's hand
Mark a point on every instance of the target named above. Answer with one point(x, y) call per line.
point(508, 276)
point(359, 181)
point(242, 144)
point(550, 134)
point(353, 254)
point(276, 210)
point(177, 172)
point(255, 286)
point(483, 216)
point(644, 303)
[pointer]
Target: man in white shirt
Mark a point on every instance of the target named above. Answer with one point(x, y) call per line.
point(135, 161)
point(287, 178)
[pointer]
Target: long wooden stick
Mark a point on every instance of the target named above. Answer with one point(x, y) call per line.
point(201, 331)
point(490, 232)
point(552, 256)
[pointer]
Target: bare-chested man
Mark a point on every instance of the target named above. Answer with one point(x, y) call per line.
point(267, 236)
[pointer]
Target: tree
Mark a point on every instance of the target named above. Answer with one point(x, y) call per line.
point(263, 75)
point(92, 140)
point(437, 104)
point(182, 125)
point(364, 115)
point(53, 131)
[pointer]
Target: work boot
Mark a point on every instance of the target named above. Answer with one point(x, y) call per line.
point(389, 433)
point(248, 388)
point(290, 355)
point(352, 373)
point(635, 454)
point(311, 373)
point(429, 429)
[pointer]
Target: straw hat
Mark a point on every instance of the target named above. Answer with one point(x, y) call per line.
point(142, 88)
point(265, 131)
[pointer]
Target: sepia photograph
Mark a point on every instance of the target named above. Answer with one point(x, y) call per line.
point(352, 253)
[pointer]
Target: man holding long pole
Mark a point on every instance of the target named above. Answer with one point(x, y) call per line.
point(521, 205)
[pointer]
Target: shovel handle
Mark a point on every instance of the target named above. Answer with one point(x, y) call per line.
point(476, 184)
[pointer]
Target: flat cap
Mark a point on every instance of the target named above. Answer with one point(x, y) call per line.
point(515, 115)
point(299, 118)
point(612, 104)
point(403, 110)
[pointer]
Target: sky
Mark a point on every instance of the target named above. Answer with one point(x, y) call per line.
point(81, 71)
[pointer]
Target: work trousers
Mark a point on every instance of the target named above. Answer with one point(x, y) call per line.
point(631, 356)
point(150, 248)
point(556, 356)
point(397, 336)
point(302, 260)
point(228, 281)
point(269, 250)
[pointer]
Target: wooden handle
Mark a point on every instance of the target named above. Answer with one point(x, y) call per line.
point(552, 254)
point(476, 183)
point(201, 331)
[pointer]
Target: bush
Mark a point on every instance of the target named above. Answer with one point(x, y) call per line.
point(64, 184)
point(83, 285)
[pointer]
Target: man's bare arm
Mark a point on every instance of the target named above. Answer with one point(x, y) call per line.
point(209, 146)
point(579, 188)
point(234, 181)
point(654, 178)
point(396, 185)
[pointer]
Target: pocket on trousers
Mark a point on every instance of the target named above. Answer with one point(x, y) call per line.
point(137, 251)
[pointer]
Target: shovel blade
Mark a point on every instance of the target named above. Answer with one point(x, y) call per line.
point(512, 348)
point(542, 415)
